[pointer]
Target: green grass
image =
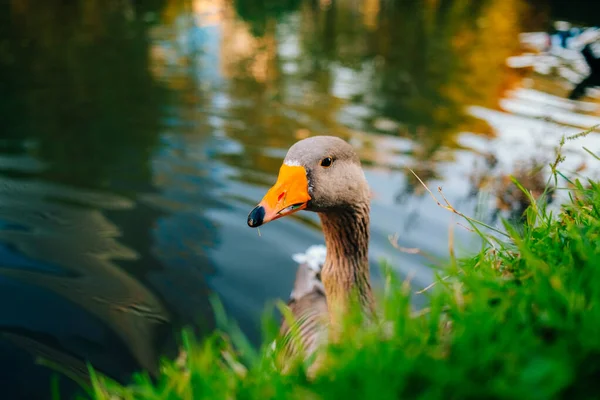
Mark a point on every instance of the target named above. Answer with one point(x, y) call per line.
point(518, 320)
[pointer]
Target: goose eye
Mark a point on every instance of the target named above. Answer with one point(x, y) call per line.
point(326, 162)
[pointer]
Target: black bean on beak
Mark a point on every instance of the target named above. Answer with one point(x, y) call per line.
point(256, 217)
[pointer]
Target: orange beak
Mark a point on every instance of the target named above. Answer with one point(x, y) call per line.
point(287, 196)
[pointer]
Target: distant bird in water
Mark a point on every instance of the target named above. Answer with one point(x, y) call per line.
point(563, 32)
point(593, 79)
point(323, 174)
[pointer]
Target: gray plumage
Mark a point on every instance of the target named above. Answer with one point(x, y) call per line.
point(308, 305)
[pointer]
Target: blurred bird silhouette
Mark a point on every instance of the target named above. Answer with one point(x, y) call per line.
point(593, 79)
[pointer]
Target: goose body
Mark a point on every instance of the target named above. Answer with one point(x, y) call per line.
point(307, 303)
point(323, 174)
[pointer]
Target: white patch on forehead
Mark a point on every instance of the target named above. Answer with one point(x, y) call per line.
point(292, 163)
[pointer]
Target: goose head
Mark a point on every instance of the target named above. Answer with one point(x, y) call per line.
point(320, 174)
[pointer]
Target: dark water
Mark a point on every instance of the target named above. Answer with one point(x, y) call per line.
point(136, 138)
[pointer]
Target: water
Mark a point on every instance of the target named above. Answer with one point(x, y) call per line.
point(135, 140)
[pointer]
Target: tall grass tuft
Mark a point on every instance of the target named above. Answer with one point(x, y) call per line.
point(518, 320)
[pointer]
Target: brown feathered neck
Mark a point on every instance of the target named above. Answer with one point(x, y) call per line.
point(346, 270)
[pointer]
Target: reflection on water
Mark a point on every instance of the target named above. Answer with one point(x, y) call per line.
point(137, 138)
point(54, 242)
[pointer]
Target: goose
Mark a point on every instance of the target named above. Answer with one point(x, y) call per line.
point(323, 174)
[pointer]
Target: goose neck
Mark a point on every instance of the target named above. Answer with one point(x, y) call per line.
point(346, 269)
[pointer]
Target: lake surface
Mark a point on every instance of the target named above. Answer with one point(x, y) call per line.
point(136, 139)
